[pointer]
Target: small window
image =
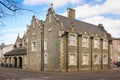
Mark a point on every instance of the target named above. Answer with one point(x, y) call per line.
point(96, 43)
point(85, 42)
point(96, 59)
point(72, 40)
point(85, 59)
point(34, 46)
point(72, 60)
point(45, 44)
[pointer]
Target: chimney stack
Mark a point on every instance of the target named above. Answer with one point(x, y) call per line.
point(71, 13)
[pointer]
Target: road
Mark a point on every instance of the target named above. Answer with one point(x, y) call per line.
point(16, 74)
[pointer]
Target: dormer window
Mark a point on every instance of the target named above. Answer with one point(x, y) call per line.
point(85, 41)
point(96, 43)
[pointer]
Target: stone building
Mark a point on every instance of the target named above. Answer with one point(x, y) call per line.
point(16, 58)
point(115, 49)
point(65, 44)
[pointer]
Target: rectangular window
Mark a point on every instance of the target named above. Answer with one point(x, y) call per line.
point(72, 60)
point(105, 44)
point(85, 59)
point(72, 40)
point(105, 59)
point(45, 44)
point(96, 59)
point(96, 43)
point(34, 46)
point(85, 42)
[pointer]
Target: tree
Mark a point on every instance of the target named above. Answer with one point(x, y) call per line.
point(8, 8)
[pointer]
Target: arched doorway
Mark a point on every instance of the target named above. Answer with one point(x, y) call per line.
point(15, 62)
point(5, 63)
point(10, 63)
point(20, 62)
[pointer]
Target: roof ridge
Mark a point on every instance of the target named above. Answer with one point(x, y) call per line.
point(76, 20)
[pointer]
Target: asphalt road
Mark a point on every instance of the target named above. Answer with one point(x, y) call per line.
point(16, 74)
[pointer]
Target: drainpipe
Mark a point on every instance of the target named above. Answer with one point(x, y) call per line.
point(109, 59)
point(101, 53)
point(91, 52)
point(42, 49)
point(78, 52)
point(66, 35)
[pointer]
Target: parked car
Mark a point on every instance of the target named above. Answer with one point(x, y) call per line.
point(117, 63)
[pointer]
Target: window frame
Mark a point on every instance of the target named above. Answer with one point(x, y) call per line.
point(72, 41)
point(85, 43)
point(74, 62)
point(96, 45)
point(96, 62)
point(105, 61)
point(33, 47)
point(87, 59)
point(105, 44)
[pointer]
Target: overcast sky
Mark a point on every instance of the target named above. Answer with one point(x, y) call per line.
point(106, 12)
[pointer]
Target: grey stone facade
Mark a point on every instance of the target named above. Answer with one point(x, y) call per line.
point(64, 44)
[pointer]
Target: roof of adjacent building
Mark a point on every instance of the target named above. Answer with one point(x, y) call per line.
point(18, 51)
point(80, 26)
point(3, 45)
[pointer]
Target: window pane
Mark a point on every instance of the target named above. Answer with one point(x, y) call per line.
point(85, 59)
point(105, 44)
point(72, 60)
point(96, 43)
point(96, 59)
point(85, 42)
point(105, 59)
point(72, 39)
point(34, 46)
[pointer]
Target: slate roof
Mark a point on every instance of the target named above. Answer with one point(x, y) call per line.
point(18, 51)
point(115, 38)
point(3, 46)
point(80, 26)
